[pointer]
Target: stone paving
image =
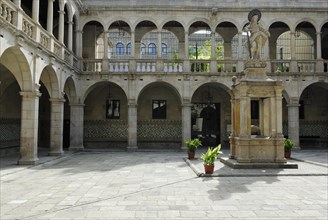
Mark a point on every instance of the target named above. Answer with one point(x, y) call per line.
point(160, 185)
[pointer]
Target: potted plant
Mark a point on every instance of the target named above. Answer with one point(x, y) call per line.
point(288, 145)
point(192, 146)
point(209, 158)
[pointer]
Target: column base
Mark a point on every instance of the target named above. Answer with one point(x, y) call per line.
point(76, 148)
point(28, 161)
point(60, 153)
point(132, 148)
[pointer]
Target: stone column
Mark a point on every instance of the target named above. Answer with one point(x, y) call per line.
point(56, 126)
point(244, 116)
point(159, 44)
point(79, 43)
point(17, 2)
point(105, 45)
point(50, 16)
point(61, 26)
point(318, 45)
point(320, 64)
point(240, 65)
point(76, 127)
point(293, 121)
point(132, 127)
point(133, 44)
point(186, 123)
point(213, 54)
point(35, 10)
point(293, 62)
point(186, 63)
point(70, 35)
point(29, 128)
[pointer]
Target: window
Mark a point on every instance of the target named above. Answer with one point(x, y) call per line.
point(112, 109)
point(255, 109)
point(159, 109)
point(143, 49)
point(128, 49)
point(119, 49)
point(164, 49)
point(152, 49)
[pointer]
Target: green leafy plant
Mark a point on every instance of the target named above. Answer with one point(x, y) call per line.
point(193, 144)
point(211, 155)
point(289, 144)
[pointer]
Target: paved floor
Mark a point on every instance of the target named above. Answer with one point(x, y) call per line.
point(160, 185)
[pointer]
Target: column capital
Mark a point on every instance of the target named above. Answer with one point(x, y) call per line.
point(57, 100)
point(186, 105)
point(61, 12)
point(51, 1)
point(76, 105)
point(70, 22)
point(30, 94)
point(293, 102)
point(318, 33)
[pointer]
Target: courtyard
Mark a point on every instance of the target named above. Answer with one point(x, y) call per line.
point(161, 185)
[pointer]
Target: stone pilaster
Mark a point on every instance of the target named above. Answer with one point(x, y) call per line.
point(56, 127)
point(132, 127)
point(186, 123)
point(76, 127)
point(293, 121)
point(29, 128)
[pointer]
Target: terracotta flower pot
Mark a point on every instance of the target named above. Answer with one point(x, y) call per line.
point(191, 155)
point(287, 154)
point(209, 169)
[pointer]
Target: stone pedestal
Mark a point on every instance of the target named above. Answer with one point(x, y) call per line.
point(266, 148)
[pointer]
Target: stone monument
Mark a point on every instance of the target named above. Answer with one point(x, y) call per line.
point(265, 149)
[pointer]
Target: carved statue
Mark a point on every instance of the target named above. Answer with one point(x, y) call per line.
point(258, 34)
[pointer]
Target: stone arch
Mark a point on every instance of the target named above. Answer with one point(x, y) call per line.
point(198, 22)
point(50, 80)
point(143, 20)
point(92, 19)
point(15, 61)
point(70, 90)
point(119, 18)
point(307, 20)
point(170, 20)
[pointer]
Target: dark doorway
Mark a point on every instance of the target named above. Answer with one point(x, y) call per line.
point(205, 123)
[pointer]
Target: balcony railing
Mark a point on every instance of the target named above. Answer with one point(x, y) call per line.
point(148, 63)
point(10, 14)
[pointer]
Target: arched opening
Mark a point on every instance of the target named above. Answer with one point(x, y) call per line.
point(105, 117)
point(159, 117)
point(313, 115)
point(226, 46)
point(119, 36)
point(93, 45)
point(210, 115)
point(324, 45)
point(10, 112)
point(66, 20)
